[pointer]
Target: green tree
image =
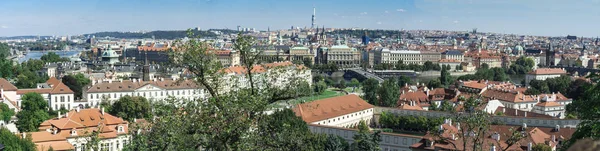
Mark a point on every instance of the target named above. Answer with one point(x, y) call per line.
point(403, 80)
point(341, 84)
point(364, 140)
point(445, 77)
point(434, 83)
point(389, 92)
point(5, 112)
point(370, 88)
point(585, 108)
point(319, 87)
point(446, 106)
point(354, 82)
point(4, 50)
point(14, 142)
point(577, 88)
point(33, 112)
point(282, 130)
point(428, 65)
point(476, 123)
point(130, 108)
point(52, 57)
point(6, 65)
point(541, 147)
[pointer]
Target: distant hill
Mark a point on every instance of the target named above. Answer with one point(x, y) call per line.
point(160, 34)
point(24, 37)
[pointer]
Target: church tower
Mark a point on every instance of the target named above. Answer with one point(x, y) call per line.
point(313, 23)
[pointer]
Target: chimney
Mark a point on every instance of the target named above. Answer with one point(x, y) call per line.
point(23, 135)
point(59, 116)
point(102, 110)
point(67, 115)
point(524, 126)
point(54, 132)
point(134, 120)
point(554, 138)
point(493, 148)
point(557, 128)
point(77, 109)
point(110, 81)
point(453, 138)
point(516, 112)
point(504, 110)
point(458, 126)
point(529, 145)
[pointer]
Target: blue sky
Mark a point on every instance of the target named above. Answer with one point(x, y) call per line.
point(71, 17)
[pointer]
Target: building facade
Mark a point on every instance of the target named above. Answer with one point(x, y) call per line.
point(543, 74)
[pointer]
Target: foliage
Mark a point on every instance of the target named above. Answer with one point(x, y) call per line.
point(33, 112)
point(341, 84)
point(476, 125)
point(400, 65)
point(364, 140)
point(445, 77)
point(319, 87)
point(5, 112)
point(330, 67)
point(471, 104)
point(559, 84)
point(404, 80)
point(14, 142)
point(586, 109)
point(370, 88)
point(577, 89)
point(522, 66)
point(130, 108)
point(434, 83)
point(408, 122)
point(26, 75)
point(161, 34)
point(282, 129)
point(389, 92)
point(541, 147)
point(354, 83)
point(52, 57)
point(446, 106)
point(76, 83)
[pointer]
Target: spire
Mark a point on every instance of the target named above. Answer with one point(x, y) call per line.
point(313, 24)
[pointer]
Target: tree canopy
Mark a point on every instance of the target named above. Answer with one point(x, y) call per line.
point(389, 92)
point(370, 88)
point(5, 112)
point(364, 140)
point(33, 112)
point(14, 142)
point(130, 108)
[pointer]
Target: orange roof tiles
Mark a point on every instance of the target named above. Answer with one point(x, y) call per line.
point(418, 96)
point(548, 104)
point(331, 107)
point(53, 81)
point(260, 68)
point(7, 86)
point(61, 88)
point(542, 71)
point(55, 145)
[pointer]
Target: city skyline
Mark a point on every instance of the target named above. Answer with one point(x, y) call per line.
point(71, 17)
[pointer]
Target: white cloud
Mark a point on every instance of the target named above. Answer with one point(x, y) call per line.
point(456, 21)
point(387, 11)
point(363, 13)
point(400, 10)
point(378, 23)
point(3, 26)
point(420, 21)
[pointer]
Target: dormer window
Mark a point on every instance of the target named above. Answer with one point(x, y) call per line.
point(73, 132)
point(120, 129)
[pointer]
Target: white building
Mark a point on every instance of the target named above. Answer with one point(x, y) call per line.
point(549, 104)
point(278, 74)
point(393, 56)
point(342, 111)
point(155, 90)
point(54, 91)
point(453, 54)
point(543, 74)
point(453, 63)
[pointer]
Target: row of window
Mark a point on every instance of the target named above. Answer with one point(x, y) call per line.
point(347, 116)
point(144, 94)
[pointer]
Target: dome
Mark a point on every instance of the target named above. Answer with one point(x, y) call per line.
point(519, 48)
point(110, 53)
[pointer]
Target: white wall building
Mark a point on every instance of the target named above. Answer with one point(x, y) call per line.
point(155, 90)
point(543, 74)
point(278, 74)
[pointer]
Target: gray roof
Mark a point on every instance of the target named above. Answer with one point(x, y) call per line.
point(452, 52)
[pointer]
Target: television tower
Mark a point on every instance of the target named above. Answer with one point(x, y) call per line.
point(313, 18)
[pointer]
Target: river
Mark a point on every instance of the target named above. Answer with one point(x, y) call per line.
point(39, 54)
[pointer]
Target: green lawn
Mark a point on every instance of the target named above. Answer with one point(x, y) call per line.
point(357, 90)
point(327, 94)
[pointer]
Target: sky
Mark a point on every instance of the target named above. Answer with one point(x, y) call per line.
point(73, 17)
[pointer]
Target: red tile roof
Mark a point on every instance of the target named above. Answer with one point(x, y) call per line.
point(7, 86)
point(331, 107)
point(543, 71)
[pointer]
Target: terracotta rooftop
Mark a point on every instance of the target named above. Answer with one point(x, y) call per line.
point(548, 104)
point(542, 71)
point(331, 107)
point(260, 68)
point(7, 86)
point(418, 96)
